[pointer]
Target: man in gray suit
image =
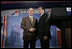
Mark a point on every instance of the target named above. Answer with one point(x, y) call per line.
point(29, 24)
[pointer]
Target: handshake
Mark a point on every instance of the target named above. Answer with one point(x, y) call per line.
point(32, 29)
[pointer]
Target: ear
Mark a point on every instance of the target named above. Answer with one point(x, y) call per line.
point(34, 11)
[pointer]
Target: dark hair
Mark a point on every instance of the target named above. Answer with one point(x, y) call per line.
point(41, 7)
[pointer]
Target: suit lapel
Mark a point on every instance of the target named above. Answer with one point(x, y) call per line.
point(33, 20)
point(29, 19)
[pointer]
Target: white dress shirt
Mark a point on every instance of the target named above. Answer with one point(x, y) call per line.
point(31, 17)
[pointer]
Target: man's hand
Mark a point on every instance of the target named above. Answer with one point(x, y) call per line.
point(32, 29)
point(45, 37)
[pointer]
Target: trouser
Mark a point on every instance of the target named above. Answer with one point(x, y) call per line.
point(44, 43)
point(32, 43)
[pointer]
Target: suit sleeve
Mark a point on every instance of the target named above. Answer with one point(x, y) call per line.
point(23, 24)
point(47, 27)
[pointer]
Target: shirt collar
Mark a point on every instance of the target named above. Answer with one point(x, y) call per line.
point(30, 16)
point(41, 14)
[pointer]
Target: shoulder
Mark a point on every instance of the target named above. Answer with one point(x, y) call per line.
point(34, 18)
point(46, 14)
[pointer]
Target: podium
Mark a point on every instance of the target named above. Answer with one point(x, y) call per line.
point(62, 21)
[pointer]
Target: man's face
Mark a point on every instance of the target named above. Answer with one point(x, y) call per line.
point(40, 10)
point(31, 11)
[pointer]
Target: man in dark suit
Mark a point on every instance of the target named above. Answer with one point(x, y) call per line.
point(29, 24)
point(44, 28)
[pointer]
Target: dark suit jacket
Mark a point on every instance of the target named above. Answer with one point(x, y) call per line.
point(26, 25)
point(44, 26)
